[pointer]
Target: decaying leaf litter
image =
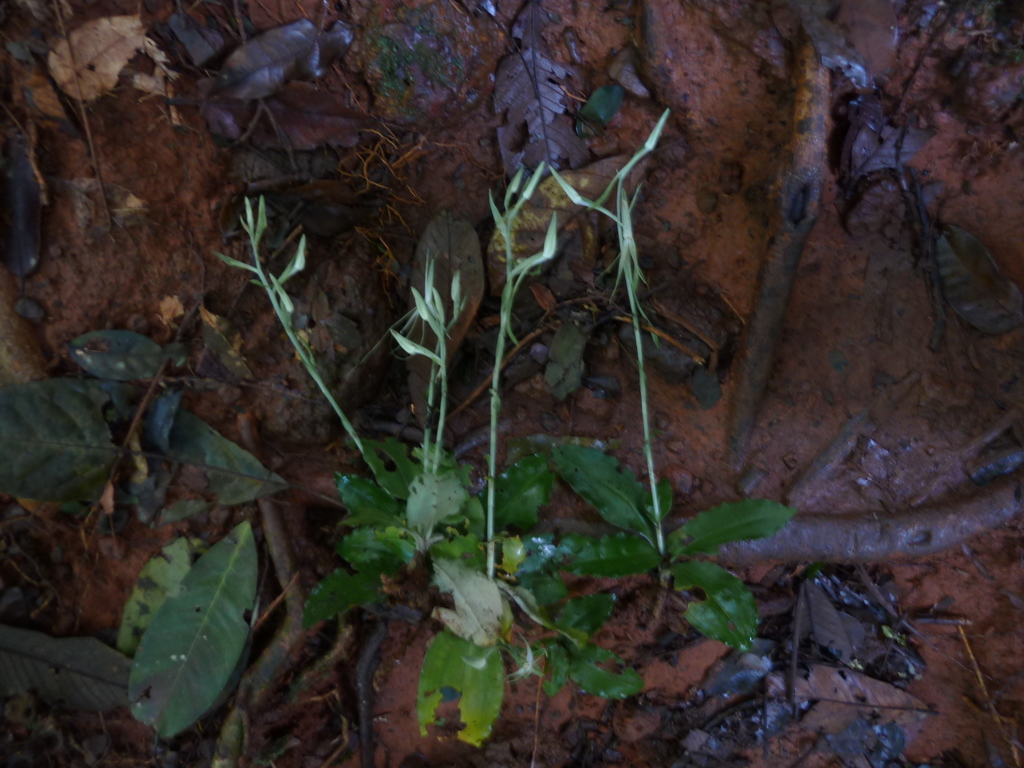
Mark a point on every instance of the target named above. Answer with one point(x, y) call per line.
point(859, 322)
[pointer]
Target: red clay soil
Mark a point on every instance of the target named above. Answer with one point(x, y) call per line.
point(860, 319)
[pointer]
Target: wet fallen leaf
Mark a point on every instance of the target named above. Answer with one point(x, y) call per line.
point(23, 209)
point(40, 95)
point(455, 248)
point(225, 342)
point(121, 355)
point(821, 620)
point(101, 49)
point(308, 118)
point(974, 286)
point(843, 695)
point(56, 444)
point(201, 43)
point(196, 637)
point(529, 91)
point(170, 309)
point(295, 51)
point(872, 144)
point(80, 672)
point(126, 209)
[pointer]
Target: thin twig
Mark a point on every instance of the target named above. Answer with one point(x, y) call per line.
point(85, 116)
point(999, 720)
point(275, 603)
point(663, 335)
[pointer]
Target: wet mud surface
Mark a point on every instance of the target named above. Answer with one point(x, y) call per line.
point(865, 423)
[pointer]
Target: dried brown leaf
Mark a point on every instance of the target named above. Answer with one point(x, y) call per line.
point(101, 49)
point(455, 247)
point(529, 90)
point(296, 51)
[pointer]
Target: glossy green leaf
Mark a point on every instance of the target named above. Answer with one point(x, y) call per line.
point(367, 502)
point(120, 355)
point(376, 551)
point(586, 614)
point(160, 577)
point(432, 499)
point(480, 612)
point(234, 474)
point(478, 674)
point(729, 613)
point(80, 672)
point(586, 670)
point(338, 592)
point(396, 481)
point(56, 444)
point(735, 521)
point(519, 492)
point(597, 477)
point(556, 667)
point(620, 554)
point(546, 588)
point(196, 638)
point(466, 549)
point(602, 106)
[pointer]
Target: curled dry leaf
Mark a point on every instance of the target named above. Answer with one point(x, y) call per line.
point(296, 51)
point(101, 49)
point(974, 286)
point(624, 69)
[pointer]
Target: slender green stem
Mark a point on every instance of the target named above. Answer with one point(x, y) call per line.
point(303, 350)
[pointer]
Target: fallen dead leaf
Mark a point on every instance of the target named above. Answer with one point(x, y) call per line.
point(101, 49)
point(170, 308)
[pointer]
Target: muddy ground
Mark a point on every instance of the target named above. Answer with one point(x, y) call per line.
point(861, 321)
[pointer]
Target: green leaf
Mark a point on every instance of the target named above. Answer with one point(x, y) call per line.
point(466, 549)
point(735, 521)
point(557, 668)
point(512, 554)
point(159, 578)
point(476, 673)
point(729, 614)
point(564, 370)
point(620, 554)
point(396, 482)
point(546, 588)
point(480, 612)
point(56, 444)
point(81, 672)
point(196, 638)
point(376, 551)
point(664, 501)
point(367, 502)
point(433, 498)
point(519, 491)
point(182, 510)
point(120, 355)
point(234, 474)
point(586, 614)
point(584, 670)
point(337, 593)
point(618, 496)
point(601, 107)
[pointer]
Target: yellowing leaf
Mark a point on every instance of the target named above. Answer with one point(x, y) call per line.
point(479, 608)
point(100, 49)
